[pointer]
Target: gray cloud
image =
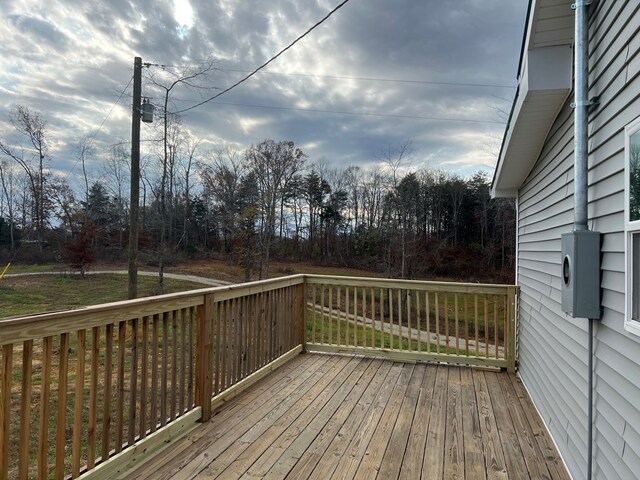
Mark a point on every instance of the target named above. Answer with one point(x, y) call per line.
point(72, 60)
point(39, 30)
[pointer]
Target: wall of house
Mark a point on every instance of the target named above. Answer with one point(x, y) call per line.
point(553, 346)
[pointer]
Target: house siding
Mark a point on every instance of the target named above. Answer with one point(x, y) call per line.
point(553, 346)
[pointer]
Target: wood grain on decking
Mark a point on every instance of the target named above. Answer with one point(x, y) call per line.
point(344, 417)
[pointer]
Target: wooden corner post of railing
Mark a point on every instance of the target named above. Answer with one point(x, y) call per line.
point(301, 314)
point(512, 336)
point(5, 409)
point(204, 357)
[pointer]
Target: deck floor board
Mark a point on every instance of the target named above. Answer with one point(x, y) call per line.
point(345, 417)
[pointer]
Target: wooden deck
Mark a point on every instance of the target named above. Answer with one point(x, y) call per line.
point(343, 417)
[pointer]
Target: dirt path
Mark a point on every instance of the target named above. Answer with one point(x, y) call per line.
point(176, 276)
point(412, 333)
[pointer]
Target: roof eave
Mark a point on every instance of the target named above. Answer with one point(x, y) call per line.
point(544, 84)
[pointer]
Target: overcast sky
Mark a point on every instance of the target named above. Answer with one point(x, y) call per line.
point(401, 66)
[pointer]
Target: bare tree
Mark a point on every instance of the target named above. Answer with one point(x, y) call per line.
point(66, 204)
point(222, 177)
point(173, 143)
point(296, 205)
point(145, 183)
point(116, 173)
point(394, 157)
point(191, 146)
point(7, 179)
point(166, 80)
point(372, 192)
point(274, 165)
point(352, 177)
point(84, 150)
point(31, 127)
point(457, 189)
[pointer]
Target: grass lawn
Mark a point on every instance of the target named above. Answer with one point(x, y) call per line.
point(37, 294)
point(224, 270)
point(45, 267)
point(340, 332)
point(45, 293)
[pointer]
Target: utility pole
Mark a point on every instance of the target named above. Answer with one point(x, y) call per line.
point(134, 203)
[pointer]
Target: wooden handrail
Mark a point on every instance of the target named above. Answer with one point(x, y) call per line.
point(407, 284)
point(137, 373)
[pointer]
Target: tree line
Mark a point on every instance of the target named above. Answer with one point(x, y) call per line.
point(250, 206)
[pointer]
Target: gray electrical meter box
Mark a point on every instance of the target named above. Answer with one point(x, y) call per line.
point(581, 274)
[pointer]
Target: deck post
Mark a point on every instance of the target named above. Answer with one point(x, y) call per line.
point(512, 333)
point(204, 357)
point(301, 314)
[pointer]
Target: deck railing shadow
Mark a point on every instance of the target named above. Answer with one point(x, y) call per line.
point(93, 392)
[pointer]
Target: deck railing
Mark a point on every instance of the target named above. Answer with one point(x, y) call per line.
point(92, 392)
point(460, 323)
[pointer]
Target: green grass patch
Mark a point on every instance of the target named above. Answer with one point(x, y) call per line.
point(337, 331)
point(438, 307)
point(21, 268)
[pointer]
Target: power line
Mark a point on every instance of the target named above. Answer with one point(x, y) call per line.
point(347, 77)
point(112, 108)
point(374, 79)
point(93, 137)
point(267, 62)
point(363, 114)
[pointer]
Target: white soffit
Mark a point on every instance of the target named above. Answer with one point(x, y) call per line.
point(552, 24)
point(545, 83)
